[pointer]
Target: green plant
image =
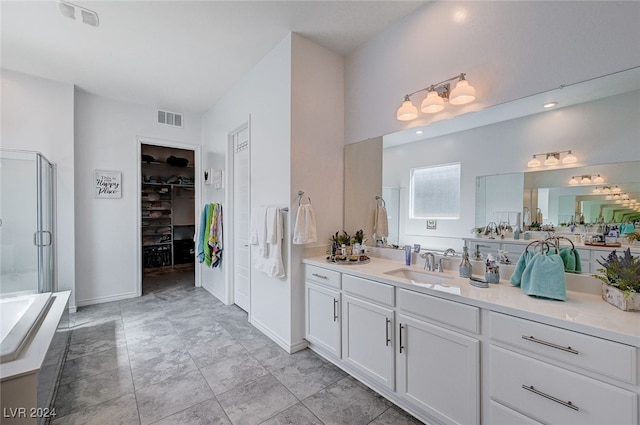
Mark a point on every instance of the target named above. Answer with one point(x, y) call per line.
point(622, 272)
point(341, 239)
point(359, 237)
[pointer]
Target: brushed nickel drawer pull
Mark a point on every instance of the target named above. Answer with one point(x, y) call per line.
point(552, 398)
point(550, 344)
point(387, 332)
point(401, 346)
point(319, 275)
point(335, 310)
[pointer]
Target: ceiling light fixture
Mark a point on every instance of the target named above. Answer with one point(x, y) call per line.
point(552, 158)
point(438, 93)
point(549, 105)
point(70, 10)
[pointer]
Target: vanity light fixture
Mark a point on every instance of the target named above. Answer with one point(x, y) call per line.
point(586, 179)
point(437, 94)
point(552, 158)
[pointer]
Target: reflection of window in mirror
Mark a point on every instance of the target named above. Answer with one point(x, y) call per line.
point(435, 192)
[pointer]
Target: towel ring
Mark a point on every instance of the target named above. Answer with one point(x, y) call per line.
point(535, 244)
point(300, 193)
point(378, 199)
point(557, 241)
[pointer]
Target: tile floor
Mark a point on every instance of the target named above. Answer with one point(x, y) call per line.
point(179, 356)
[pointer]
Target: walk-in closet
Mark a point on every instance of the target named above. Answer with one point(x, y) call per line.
point(167, 202)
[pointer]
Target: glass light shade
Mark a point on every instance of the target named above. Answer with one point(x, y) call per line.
point(598, 179)
point(608, 197)
point(573, 181)
point(432, 103)
point(597, 190)
point(618, 201)
point(606, 189)
point(569, 159)
point(551, 160)
point(616, 189)
point(585, 180)
point(407, 111)
point(534, 162)
point(625, 196)
point(462, 94)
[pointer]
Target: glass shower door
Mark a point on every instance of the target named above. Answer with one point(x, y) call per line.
point(44, 234)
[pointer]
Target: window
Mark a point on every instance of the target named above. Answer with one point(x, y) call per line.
point(435, 192)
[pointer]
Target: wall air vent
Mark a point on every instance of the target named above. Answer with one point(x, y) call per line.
point(170, 118)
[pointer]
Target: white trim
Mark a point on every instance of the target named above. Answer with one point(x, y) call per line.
point(197, 162)
point(288, 347)
point(108, 299)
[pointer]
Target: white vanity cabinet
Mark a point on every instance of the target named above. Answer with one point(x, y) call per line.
point(438, 368)
point(557, 376)
point(367, 329)
point(322, 302)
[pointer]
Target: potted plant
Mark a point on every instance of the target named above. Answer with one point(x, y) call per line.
point(359, 237)
point(621, 280)
point(633, 238)
point(341, 238)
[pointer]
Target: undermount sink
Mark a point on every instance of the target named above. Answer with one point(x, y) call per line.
point(418, 276)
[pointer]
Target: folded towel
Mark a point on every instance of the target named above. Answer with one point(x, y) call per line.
point(381, 222)
point(544, 277)
point(305, 227)
point(570, 258)
point(267, 231)
point(516, 277)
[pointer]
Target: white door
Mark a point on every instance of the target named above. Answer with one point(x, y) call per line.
point(241, 266)
point(323, 318)
point(367, 342)
point(439, 371)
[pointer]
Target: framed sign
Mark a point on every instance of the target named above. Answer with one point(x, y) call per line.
point(431, 224)
point(108, 184)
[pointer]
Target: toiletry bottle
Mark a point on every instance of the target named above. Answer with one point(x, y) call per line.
point(465, 265)
point(407, 255)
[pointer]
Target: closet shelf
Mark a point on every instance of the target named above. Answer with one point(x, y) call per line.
point(159, 243)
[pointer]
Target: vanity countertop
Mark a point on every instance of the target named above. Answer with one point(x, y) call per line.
point(635, 249)
point(582, 311)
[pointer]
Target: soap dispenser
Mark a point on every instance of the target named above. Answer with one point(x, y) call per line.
point(465, 265)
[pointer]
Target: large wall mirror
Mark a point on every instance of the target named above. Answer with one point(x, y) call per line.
point(597, 119)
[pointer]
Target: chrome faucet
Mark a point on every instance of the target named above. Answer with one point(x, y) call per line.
point(440, 268)
point(429, 265)
point(449, 251)
point(477, 255)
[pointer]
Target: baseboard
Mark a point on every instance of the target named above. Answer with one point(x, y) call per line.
point(102, 300)
point(289, 348)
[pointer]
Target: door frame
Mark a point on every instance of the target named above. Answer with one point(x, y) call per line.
point(142, 140)
point(229, 201)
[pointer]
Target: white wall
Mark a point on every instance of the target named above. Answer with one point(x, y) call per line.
point(508, 49)
point(598, 132)
point(106, 133)
point(264, 94)
point(317, 159)
point(37, 115)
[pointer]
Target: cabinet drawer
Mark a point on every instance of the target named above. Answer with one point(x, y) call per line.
point(550, 394)
point(597, 355)
point(501, 415)
point(324, 276)
point(368, 289)
point(455, 314)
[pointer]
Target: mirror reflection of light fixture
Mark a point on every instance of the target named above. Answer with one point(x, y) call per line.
point(552, 158)
point(616, 189)
point(438, 93)
point(598, 179)
point(586, 179)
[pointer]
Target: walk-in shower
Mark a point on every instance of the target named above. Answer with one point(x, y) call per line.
point(27, 276)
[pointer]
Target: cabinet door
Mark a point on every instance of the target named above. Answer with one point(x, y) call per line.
point(367, 340)
point(438, 371)
point(323, 317)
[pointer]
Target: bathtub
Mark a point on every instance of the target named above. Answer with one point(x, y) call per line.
point(18, 318)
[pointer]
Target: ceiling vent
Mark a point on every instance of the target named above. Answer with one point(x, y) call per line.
point(71, 10)
point(170, 118)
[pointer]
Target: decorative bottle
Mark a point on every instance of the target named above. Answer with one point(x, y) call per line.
point(465, 265)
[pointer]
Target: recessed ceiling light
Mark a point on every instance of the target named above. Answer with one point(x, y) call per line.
point(87, 16)
point(549, 104)
point(419, 131)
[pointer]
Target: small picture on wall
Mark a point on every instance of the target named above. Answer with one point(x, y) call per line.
point(108, 184)
point(431, 224)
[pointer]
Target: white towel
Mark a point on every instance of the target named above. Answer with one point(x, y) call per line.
point(266, 241)
point(381, 222)
point(305, 228)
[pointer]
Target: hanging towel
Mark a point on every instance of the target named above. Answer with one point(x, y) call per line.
point(380, 222)
point(257, 236)
point(544, 277)
point(215, 236)
point(305, 227)
point(207, 247)
point(266, 241)
point(201, 233)
point(521, 265)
